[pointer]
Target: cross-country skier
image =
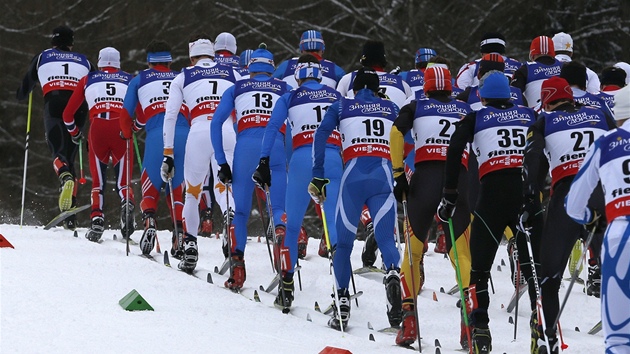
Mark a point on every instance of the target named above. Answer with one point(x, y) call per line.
point(303, 108)
point(415, 77)
point(491, 42)
point(497, 133)
point(608, 161)
point(311, 42)
point(147, 95)
point(575, 74)
point(563, 44)
point(104, 91)
point(431, 121)
point(58, 71)
point(612, 80)
point(254, 100)
point(364, 122)
point(563, 132)
point(199, 89)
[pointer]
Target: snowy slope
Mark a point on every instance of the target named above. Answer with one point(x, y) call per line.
point(59, 294)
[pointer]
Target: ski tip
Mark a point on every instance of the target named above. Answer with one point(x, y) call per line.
point(256, 296)
point(442, 290)
point(370, 326)
point(510, 320)
point(437, 343)
point(262, 288)
point(371, 337)
point(438, 351)
point(435, 296)
point(502, 262)
point(577, 329)
point(115, 237)
point(216, 269)
point(498, 268)
point(76, 234)
point(317, 308)
point(209, 278)
point(308, 317)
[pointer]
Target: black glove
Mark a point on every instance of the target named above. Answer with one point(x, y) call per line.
point(446, 209)
point(401, 187)
point(597, 223)
point(225, 173)
point(77, 138)
point(317, 189)
point(528, 210)
point(168, 170)
point(262, 175)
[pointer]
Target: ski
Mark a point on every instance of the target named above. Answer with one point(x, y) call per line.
point(224, 267)
point(577, 280)
point(522, 290)
point(438, 347)
point(329, 309)
point(167, 261)
point(453, 290)
point(124, 240)
point(148, 256)
point(369, 269)
point(389, 330)
point(596, 328)
point(63, 215)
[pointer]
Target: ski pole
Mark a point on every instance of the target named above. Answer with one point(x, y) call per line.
point(228, 223)
point(517, 290)
point(82, 179)
point(410, 256)
point(128, 181)
point(135, 143)
point(539, 306)
point(278, 267)
point(178, 235)
point(574, 275)
point(330, 261)
point(563, 345)
point(459, 284)
point(28, 132)
point(268, 232)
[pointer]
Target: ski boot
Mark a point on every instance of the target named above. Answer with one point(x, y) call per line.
point(594, 280)
point(482, 340)
point(285, 294)
point(127, 220)
point(370, 249)
point(191, 254)
point(66, 191)
point(440, 242)
point(237, 273)
point(323, 248)
point(147, 241)
point(96, 230)
point(302, 243)
point(205, 226)
point(407, 334)
point(554, 347)
point(394, 297)
point(279, 249)
point(177, 241)
point(465, 331)
point(536, 332)
point(343, 311)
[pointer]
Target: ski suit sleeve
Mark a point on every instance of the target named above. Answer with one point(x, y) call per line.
point(465, 75)
point(216, 125)
point(402, 125)
point(328, 124)
point(75, 101)
point(576, 201)
point(593, 84)
point(339, 73)
point(30, 79)
point(532, 157)
point(278, 116)
point(464, 133)
point(130, 103)
point(173, 105)
point(519, 79)
point(279, 72)
point(344, 84)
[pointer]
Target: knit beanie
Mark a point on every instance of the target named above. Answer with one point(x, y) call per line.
point(225, 41)
point(312, 40)
point(492, 42)
point(494, 85)
point(489, 62)
point(366, 78)
point(541, 45)
point(108, 57)
point(575, 74)
point(563, 42)
point(622, 104)
point(62, 36)
point(554, 89)
point(613, 76)
point(373, 53)
point(424, 54)
point(437, 78)
point(262, 61)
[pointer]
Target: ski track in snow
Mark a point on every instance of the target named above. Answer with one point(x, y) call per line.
point(59, 294)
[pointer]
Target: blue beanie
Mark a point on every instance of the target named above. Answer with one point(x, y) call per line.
point(494, 84)
point(245, 58)
point(261, 61)
point(312, 40)
point(424, 54)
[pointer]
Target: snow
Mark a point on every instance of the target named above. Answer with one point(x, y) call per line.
point(59, 294)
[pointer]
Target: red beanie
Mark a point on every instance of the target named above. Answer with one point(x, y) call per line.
point(555, 88)
point(437, 78)
point(541, 45)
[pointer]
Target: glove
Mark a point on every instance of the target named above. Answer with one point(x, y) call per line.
point(446, 209)
point(401, 187)
point(77, 138)
point(126, 128)
point(317, 189)
point(168, 168)
point(597, 223)
point(528, 210)
point(262, 175)
point(225, 173)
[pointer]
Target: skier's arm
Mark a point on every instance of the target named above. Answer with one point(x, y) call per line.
point(402, 125)
point(519, 79)
point(576, 201)
point(279, 72)
point(328, 124)
point(173, 105)
point(463, 134)
point(278, 116)
point(225, 108)
point(532, 157)
point(130, 103)
point(30, 80)
point(75, 101)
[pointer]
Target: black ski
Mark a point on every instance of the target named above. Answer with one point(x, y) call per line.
point(167, 260)
point(63, 215)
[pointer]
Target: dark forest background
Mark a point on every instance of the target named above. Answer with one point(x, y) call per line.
point(600, 30)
